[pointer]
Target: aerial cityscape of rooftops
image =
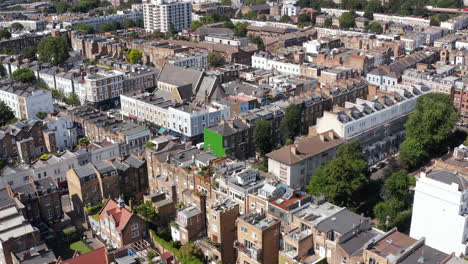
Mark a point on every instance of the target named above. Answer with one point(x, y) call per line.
point(233, 131)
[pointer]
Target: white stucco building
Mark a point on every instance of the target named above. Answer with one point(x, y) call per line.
point(290, 8)
point(262, 60)
point(162, 14)
point(440, 211)
point(66, 134)
point(25, 101)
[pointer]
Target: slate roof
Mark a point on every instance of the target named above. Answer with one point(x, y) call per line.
point(448, 177)
point(426, 253)
point(179, 76)
point(85, 170)
point(342, 222)
point(354, 245)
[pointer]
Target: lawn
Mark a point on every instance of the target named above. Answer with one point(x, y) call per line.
point(67, 252)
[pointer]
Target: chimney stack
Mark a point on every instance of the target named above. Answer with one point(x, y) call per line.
point(294, 149)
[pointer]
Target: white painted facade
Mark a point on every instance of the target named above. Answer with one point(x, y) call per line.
point(25, 105)
point(440, 214)
point(331, 121)
point(227, 40)
point(290, 8)
point(146, 110)
point(66, 135)
point(263, 62)
point(192, 122)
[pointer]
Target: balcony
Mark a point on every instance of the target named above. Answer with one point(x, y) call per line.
point(252, 251)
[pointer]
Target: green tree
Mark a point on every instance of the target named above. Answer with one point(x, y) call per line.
point(195, 25)
point(304, 18)
point(62, 7)
point(147, 211)
point(41, 115)
point(54, 50)
point(328, 22)
point(87, 28)
point(104, 3)
point(6, 114)
point(347, 20)
point(229, 24)
point(250, 15)
point(434, 22)
point(106, 27)
point(190, 250)
point(397, 185)
point(413, 153)
point(17, 26)
point(387, 212)
point(72, 99)
point(285, 19)
point(134, 56)
point(23, 75)
point(29, 52)
point(466, 142)
point(262, 137)
point(2, 71)
point(258, 41)
point(291, 125)
point(343, 179)
point(240, 29)
point(116, 25)
point(428, 127)
point(375, 27)
point(226, 2)
point(216, 60)
point(369, 15)
point(58, 95)
point(5, 34)
point(128, 23)
point(84, 6)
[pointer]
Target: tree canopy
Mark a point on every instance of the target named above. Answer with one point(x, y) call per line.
point(128, 23)
point(5, 34)
point(62, 7)
point(285, 19)
point(54, 50)
point(6, 114)
point(375, 27)
point(134, 56)
point(87, 28)
point(291, 125)
point(17, 25)
point(342, 180)
point(391, 212)
point(23, 75)
point(29, 52)
point(84, 6)
point(428, 128)
point(240, 29)
point(347, 20)
point(147, 211)
point(106, 27)
point(216, 60)
point(262, 137)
